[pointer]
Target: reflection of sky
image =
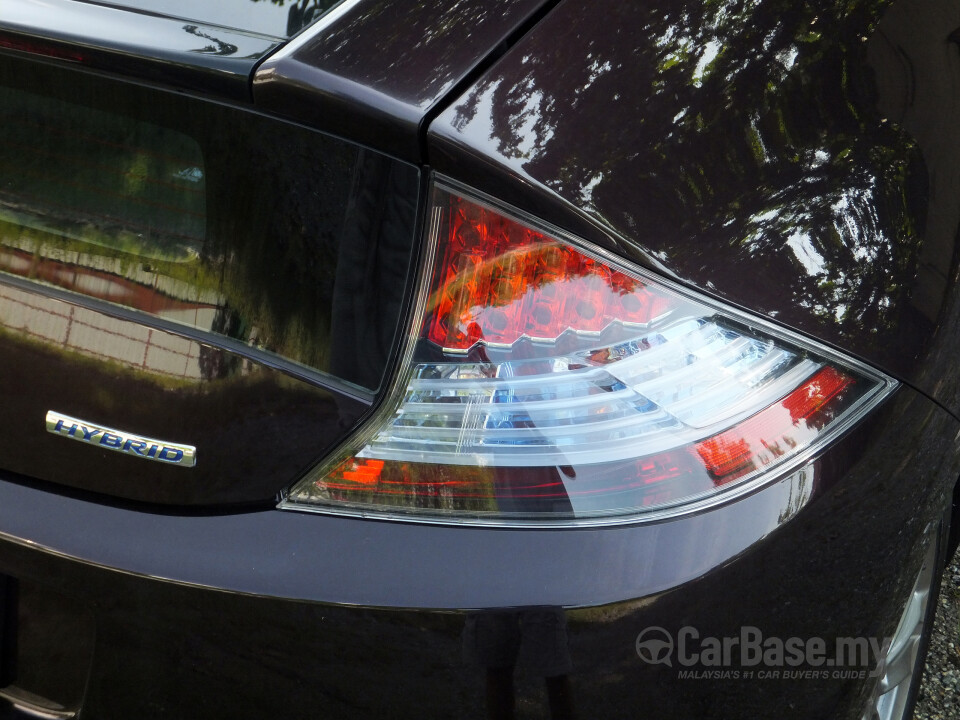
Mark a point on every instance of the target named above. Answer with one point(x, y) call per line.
point(806, 253)
point(259, 17)
point(531, 118)
point(488, 140)
point(710, 52)
point(586, 192)
point(788, 57)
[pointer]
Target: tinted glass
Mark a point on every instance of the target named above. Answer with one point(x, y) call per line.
point(102, 181)
point(288, 240)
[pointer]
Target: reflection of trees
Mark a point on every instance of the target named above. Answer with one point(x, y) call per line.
point(214, 363)
point(217, 46)
point(98, 178)
point(720, 132)
point(414, 38)
point(278, 256)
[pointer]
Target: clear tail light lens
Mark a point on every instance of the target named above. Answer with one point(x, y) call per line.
point(544, 381)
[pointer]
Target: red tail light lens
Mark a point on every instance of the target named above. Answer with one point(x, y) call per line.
point(498, 281)
point(775, 431)
point(544, 381)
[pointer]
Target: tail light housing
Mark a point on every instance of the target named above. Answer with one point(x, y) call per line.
point(546, 381)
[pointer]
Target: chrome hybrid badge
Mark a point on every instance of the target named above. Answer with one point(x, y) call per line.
point(110, 439)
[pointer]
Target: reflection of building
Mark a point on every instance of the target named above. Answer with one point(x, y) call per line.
point(132, 285)
point(104, 278)
point(96, 335)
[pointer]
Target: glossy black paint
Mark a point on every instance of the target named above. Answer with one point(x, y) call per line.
point(195, 56)
point(834, 557)
point(798, 160)
point(373, 71)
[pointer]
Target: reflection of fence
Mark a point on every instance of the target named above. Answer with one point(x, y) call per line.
point(110, 279)
point(97, 335)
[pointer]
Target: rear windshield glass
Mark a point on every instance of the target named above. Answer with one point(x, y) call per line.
point(288, 240)
point(102, 180)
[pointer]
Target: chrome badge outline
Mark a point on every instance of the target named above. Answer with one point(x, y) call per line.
point(119, 441)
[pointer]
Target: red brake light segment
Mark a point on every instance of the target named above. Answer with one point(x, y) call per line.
point(497, 280)
point(775, 432)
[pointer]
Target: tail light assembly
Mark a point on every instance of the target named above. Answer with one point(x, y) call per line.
point(544, 381)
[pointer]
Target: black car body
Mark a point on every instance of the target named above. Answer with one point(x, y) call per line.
point(223, 238)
